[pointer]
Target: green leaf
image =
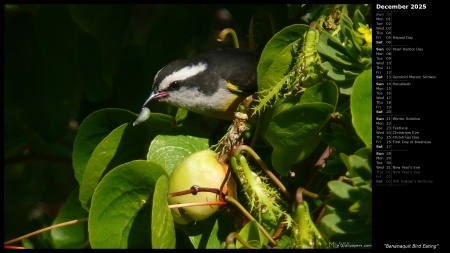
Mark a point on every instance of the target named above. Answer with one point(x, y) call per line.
point(358, 182)
point(345, 134)
point(169, 148)
point(341, 142)
point(360, 166)
point(75, 235)
point(362, 206)
point(358, 19)
point(251, 234)
point(326, 92)
point(340, 189)
point(163, 228)
point(347, 231)
point(331, 48)
point(345, 159)
point(294, 133)
point(91, 132)
point(209, 233)
point(121, 211)
point(365, 153)
point(348, 32)
point(280, 105)
point(276, 57)
point(337, 73)
point(361, 106)
point(181, 116)
point(123, 144)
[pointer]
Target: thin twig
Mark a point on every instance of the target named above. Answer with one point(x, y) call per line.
point(250, 217)
point(46, 229)
point(219, 203)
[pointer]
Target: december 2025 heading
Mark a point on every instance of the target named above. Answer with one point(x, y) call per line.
point(401, 6)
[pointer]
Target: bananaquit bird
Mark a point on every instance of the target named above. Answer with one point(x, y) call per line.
point(213, 83)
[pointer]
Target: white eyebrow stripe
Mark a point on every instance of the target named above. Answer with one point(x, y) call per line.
point(156, 76)
point(183, 74)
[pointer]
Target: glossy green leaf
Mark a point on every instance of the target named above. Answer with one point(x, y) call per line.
point(361, 106)
point(362, 206)
point(358, 19)
point(348, 32)
point(280, 105)
point(360, 166)
point(209, 233)
point(340, 189)
point(326, 92)
point(205, 234)
point(331, 48)
point(123, 144)
point(345, 133)
point(91, 132)
point(251, 234)
point(284, 242)
point(276, 57)
point(345, 159)
point(358, 181)
point(357, 166)
point(163, 227)
point(345, 139)
point(341, 142)
point(335, 73)
point(331, 222)
point(169, 148)
point(365, 153)
point(340, 206)
point(294, 133)
point(349, 232)
point(181, 116)
point(73, 236)
point(121, 210)
point(349, 46)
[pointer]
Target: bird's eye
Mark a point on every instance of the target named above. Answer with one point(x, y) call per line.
point(175, 85)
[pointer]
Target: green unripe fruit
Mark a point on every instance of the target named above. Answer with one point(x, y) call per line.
point(204, 170)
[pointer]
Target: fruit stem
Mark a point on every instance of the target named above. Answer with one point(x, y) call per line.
point(194, 190)
point(264, 167)
point(234, 235)
point(250, 217)
point(218, 203)
point(225, 32)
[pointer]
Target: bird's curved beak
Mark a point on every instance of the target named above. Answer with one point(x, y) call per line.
point(145, 112)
